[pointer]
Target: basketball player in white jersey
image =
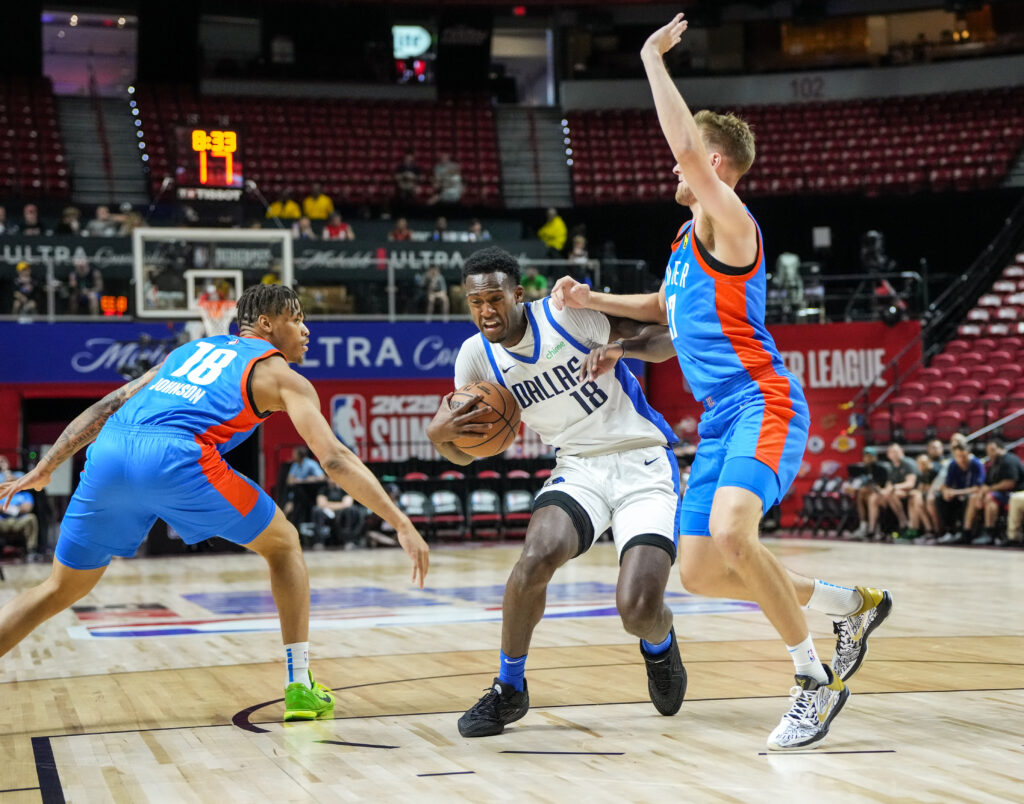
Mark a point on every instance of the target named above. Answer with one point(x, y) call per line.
point(614, 468)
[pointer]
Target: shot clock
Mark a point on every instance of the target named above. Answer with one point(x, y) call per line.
point(208, 158)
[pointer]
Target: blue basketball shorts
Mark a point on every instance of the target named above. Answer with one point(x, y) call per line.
point(135, 475)
point(752, 436)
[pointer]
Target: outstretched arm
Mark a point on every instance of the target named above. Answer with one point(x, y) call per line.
point(649, 307)
point(278, 387)
point(649, 342)
point(717, 199)
point(82, 431)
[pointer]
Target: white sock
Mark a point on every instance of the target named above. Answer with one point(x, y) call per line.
point(835, 601)
point(806, 662)
point(296, 656)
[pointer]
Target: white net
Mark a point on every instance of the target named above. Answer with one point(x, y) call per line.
point(216, 315)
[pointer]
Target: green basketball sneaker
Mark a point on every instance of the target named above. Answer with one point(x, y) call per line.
point(303, 703)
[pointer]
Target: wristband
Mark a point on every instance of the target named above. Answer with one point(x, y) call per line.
point(621, 345)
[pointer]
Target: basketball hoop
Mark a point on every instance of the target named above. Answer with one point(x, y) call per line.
point(217, 315)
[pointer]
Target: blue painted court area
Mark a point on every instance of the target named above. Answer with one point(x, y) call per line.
point(348, 607)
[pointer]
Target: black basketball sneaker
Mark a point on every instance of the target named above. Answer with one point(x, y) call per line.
point(666, 677)
point(503, 704)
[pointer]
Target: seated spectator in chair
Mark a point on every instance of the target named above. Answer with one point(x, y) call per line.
point(437, 293)
point(303, 229)
point(337, 229)
point(285, 207)
point(316, 206)
point(1014, 516)
point(25, 291)
point(1003, 476)
point(964, 477)
point(304, 475)
point(19, 519)
point(441, 232)
point(920, 518)
point(534, 283)
point(400, 231)
point(865, 486)
point(70, 222)
point(5, 226)
point(939, 459)
point(103, 223)
point(893, 495)
point(476, 232)
point(85, 284)
point(337, 517)
point(31, 226)
point(447, 181)
point(407, 178)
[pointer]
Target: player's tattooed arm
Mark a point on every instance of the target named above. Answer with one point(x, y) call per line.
point(87, 425)
point(82, 431)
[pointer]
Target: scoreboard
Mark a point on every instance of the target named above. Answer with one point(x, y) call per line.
point(208, 164)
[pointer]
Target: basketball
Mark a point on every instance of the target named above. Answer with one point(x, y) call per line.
point(504, 414)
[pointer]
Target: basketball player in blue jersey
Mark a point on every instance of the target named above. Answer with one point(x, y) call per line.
point(614, 468)
point(158, 454)
point(755, 424)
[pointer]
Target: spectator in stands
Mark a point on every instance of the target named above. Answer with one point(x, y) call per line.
point(303, 229)
point(920, 518)
point(30, 224)
point(70, 222)
point(3, 221)
point(103, 223)
point(285, 207)
point(407, 178)
point(337, 229)
point(85, 284)
point(337, 517)
point(447, 181)
point(1003, 476)
point(893, 495)
point(441, 232)
point(316, 206)
point(534, 283)
point(380, 533)
point(437, 293)
point(553, 233)
point(578, 252)
point(964, 477)
point(19, 519)
point(864, 487)
point(304, 476)
point(130, 221)
point(1014, 515)
point(933, 497)
point(476, 232)
point(400, 231)
point(25, 291)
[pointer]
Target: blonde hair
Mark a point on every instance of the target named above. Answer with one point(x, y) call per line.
point(730, 136)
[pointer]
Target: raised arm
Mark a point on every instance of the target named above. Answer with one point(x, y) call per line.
point(277, 387)
point(82, 431)
point(649, 342)
point(716, 198)
point(649, 307)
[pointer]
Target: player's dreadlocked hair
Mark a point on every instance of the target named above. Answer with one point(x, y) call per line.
point(491, 260)
point(270, 300)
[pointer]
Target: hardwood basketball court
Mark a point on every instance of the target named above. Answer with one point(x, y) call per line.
point(166, 685)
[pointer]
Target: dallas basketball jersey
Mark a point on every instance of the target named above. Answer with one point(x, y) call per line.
point(202, 388)
point(609, 414)
point(716, 316)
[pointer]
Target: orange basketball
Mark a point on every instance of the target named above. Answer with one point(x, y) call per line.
point(504, 414)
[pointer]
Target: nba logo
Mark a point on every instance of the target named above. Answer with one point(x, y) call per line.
point(348, 419)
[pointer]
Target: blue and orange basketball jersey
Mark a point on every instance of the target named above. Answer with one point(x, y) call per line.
point(202, 388)
point(716, 316)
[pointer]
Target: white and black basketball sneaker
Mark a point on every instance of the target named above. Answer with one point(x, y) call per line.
point(852, 632)
point(666, 677)
point(502, 704)
point(814, 707)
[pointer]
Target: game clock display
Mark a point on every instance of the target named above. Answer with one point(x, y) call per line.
point(208, 158)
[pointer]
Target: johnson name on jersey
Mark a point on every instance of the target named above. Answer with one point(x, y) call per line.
point(609, 414)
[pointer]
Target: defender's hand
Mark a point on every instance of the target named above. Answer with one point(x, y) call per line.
point(567, 292)
point(37, 480)
point(448, 424)
point(600, 361)
point(417, 550)
point(666, 37)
